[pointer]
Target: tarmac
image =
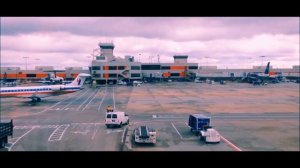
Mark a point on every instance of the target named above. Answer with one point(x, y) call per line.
point(249, 118)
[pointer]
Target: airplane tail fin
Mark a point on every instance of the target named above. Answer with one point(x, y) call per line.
point(267, 68)
point(79, 80)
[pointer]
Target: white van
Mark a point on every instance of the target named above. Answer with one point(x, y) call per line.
point(116, 119)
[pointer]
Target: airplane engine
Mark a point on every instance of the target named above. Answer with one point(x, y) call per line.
point(57, 87)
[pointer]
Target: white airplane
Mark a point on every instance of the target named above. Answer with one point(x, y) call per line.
point(37, 92)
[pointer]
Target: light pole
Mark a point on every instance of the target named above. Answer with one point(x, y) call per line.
point(26, 61)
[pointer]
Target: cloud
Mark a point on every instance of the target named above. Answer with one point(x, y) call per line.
point(173, 28)
point(233, 42)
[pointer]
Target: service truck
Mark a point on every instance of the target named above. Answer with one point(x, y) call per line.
point(197, 122)
point(144, 134)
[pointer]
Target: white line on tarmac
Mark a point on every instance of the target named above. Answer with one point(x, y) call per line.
point(102, 99)
point(75, 99)
point(20, 138)
point(56, 132)
point(53, 133)
point(61, 135)
point(186, 124)
point(123, 134)
point(49, 107)
point(230, 144)
point(85, 101)
point(90, 100)
point(45, 109)
point(95, 131)
point(176, 130)
point(114, 99)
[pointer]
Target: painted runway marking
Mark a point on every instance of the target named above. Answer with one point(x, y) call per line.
point(230, 144)
point(112, 131)
point(122, 140)
point(95, 131)
point(176, 130)
point(81, 132)
point(186, 124)
point(20, 138)
point(75, 99)
point(91, 100)
point(114, 99)
point(35, 126)
point(102, 99)
point(85, 101)
point(58, 133)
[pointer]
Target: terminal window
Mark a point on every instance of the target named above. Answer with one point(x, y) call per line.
point(165, 67)
point(112, 68)
point(96, 75)
point(193, 67)
point(30, 75)
point(112, 75)
point(96, 67)
point(121, 67)
point(135, 68)
point(135, 75)
point(174, 74)
point(150, 67)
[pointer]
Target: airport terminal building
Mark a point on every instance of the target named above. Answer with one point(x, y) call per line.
point(107, 68)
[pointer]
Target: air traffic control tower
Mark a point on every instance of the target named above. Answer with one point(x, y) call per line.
point(107, 52)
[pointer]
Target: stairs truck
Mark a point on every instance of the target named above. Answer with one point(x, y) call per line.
point(197, 122)
point(6, 129)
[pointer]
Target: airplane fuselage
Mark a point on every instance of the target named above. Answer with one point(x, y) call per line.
point(39, 91)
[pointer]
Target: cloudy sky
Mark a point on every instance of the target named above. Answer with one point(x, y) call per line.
point(232, 42)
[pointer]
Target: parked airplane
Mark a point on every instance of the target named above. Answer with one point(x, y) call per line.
point(37, 92)
point(262, 77)
point(54, 79)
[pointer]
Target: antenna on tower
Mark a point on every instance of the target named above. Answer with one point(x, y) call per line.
point(158, 57)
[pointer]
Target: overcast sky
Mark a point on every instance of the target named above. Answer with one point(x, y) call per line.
point(233, 42)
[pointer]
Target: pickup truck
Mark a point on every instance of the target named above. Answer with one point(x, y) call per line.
point(6, 129)
point(144, 134)
point(116, 119)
